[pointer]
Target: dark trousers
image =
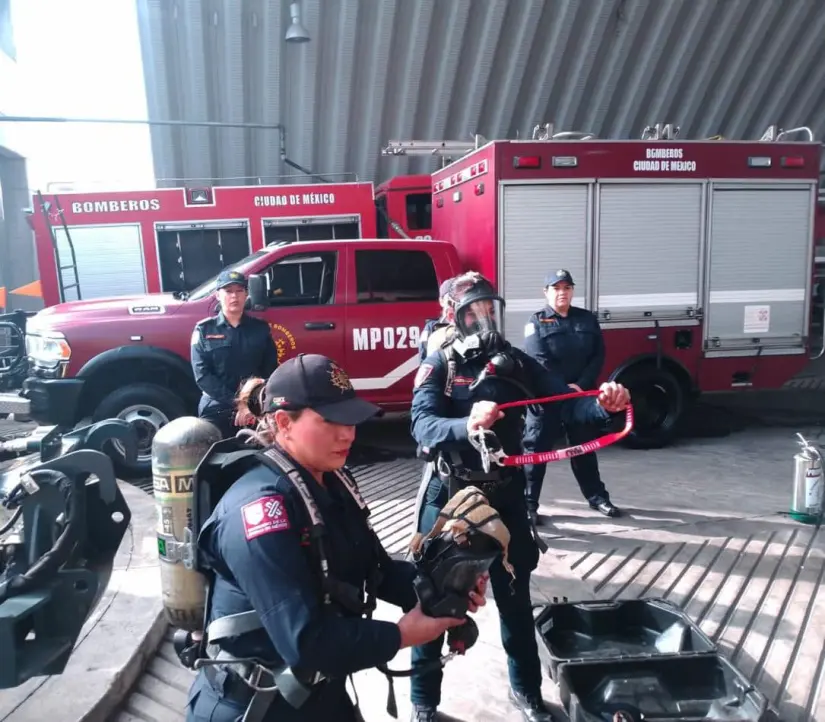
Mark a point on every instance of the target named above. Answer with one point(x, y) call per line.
point(220, 416)
point(539, 436)
point(512, 597)
point(225, 699)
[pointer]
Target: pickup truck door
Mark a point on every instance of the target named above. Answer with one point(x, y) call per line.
point(306, 311)
point(391, 293)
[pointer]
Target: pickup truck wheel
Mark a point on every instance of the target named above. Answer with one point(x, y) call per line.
point(659, 402)
point(147, 408)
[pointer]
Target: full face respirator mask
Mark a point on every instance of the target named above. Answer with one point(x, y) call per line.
point(478, 315)
point(465, 541)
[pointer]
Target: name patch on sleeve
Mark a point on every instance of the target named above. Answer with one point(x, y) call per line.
point(264, 516)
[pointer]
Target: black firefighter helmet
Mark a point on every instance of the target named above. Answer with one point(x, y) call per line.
point(479, 312)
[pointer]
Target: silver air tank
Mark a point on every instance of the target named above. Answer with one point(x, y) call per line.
point(177, 450)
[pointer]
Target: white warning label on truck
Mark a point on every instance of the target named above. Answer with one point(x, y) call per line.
point(665, 160)
point(757, 319)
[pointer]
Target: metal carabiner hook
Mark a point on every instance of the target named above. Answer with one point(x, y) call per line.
point(479, 443)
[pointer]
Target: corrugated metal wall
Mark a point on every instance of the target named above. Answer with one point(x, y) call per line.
point(18, 264)
point(377, 70)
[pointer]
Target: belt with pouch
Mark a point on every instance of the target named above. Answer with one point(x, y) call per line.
point(457, 476)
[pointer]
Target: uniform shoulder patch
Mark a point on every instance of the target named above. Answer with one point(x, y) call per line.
point(196, 336)
point(529, 329)
point(264, 516)
point(204, 320)
point(423, 373)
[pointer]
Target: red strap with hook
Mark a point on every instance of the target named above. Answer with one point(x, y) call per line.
point(543, 457)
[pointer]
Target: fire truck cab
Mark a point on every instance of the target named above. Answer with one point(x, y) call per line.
point(696, 255)
point(404, 207)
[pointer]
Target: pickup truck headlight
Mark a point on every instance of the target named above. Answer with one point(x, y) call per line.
point(48, 348)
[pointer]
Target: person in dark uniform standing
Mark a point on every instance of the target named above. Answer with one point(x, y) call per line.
point(568, 340)
point(260, 544)
point(434, 324)
point(455, 394)
point(227, 349)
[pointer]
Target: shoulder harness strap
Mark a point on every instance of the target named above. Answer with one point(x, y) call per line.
point(333, 589)
point(449, 357)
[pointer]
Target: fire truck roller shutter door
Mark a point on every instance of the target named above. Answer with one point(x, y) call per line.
point(541, 224)
point(177, 449)
point(109, 260)
point(649, 246)
point(764, 302)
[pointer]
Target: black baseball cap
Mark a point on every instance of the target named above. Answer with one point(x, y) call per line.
point(560, 276)
point(312, 381)
point(231, 278)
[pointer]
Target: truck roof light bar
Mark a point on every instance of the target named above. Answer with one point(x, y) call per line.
point(433, 147)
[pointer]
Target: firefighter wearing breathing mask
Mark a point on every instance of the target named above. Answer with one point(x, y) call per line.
point(457, 390)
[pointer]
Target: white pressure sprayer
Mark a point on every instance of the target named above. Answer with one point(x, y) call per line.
point(808, 484)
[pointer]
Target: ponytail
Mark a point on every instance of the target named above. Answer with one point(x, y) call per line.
point(249, 403)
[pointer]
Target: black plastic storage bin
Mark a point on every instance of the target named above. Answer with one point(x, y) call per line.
point(624, 628)
point(703, 686)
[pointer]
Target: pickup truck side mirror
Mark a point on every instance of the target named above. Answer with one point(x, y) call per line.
point(258, 295)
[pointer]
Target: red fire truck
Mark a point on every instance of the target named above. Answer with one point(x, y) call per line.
point(697, 256)
point(96, 245)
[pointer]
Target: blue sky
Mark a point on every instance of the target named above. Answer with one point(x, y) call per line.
point(81, 58)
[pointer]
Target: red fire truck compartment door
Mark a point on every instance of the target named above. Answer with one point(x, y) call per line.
point(759, 268)
point(109, 261)
point(544, 227)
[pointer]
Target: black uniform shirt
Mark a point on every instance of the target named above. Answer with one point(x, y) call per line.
point(571, 345)
point(223, 356)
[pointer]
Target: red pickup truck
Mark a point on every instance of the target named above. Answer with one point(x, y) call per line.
point(360, 302)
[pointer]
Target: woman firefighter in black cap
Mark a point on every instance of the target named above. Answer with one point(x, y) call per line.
point(286, 613)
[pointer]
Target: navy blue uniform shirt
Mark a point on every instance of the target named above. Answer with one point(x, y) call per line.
point(256, 541)
point(440, 423)
point(573, 346)
point(224, 356)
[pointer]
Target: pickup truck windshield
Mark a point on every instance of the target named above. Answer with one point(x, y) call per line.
point(208, 287)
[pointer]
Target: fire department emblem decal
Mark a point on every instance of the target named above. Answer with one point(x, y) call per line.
point(284, 341)
point(339, 378)
point(264, 516)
